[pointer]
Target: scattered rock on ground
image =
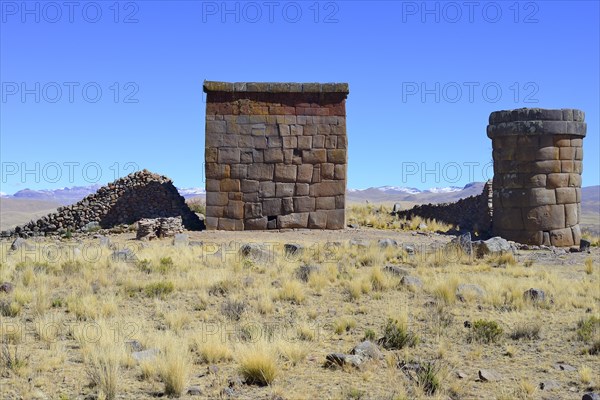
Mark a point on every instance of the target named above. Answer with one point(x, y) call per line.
point(7, 287)
point(549, 385)
point(534, 295)
point(152, 228)
point(367, 351)
point(194, 391)
point(293, 248)
point(395, 270)
point(254, 252)
point(591, 396)
point(383, 243)
point(410, 250)
point(339, 360)
point(487, 375)
point(495, 245)
point(411, 281)
point(465, 290)
point(303, 272)
point(561, 366)
point(584, 245)
point(20, 243)
point(464, 243)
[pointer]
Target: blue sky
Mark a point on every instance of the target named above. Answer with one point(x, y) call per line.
point(92, 91)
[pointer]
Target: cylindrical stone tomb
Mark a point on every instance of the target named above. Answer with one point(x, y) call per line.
point(538, 160)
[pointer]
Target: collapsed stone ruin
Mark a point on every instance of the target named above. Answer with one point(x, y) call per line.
point(536, 190)
point(275, 155)
point(142, 194)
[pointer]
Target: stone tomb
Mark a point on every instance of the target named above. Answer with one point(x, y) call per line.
point(276, 155)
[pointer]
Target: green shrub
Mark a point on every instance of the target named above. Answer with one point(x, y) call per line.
point(428, 379)
point(396, 336)
point(484, 331)
point(369, 334)
point(159, 289)
point(588, 329)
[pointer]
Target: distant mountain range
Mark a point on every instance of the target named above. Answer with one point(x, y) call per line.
point(27, 204)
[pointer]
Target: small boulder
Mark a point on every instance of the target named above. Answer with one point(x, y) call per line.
point(591, 396)
point(411, 282)
point(20, 243)
point(584, 245)
point(395, 270)
point(303, 272)
point(194, 391)
point(561, 366)
point(487, 375)
point(367, 351)
point(339, 360)
point(103, 240)
point(397, 208)
point(410, 250)
point(384, 243)
point(254, 252)
point(293, 249)
point(534, 295)
point(463, 242)
point(466, 290)
point(6, 287)
point(495, 245)
point(422, 226)
point(549, 385)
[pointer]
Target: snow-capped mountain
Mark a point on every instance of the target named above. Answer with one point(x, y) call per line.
point(66, 196)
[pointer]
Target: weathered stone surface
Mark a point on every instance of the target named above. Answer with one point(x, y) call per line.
point(544, 218)
point(367, 351)
point(487, 375)
point(411, 281)
point(495, 245)
point(317, 220)
point(285, 173)
point(295, 220)
point(336, 219)
point(565, 195)
point(561, 237)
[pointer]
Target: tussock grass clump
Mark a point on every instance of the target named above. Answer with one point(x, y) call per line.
point(103, 358)
point(212, 348)
point(589, 266)
point(292, 291)
point(396, 335)
point(292, 352)
point(159, 289)
point(258, 363)
point(446, 290)
point(174, 366)
point(529, 331)
point(344, 324)
point(588, 329)
point(484, 331)
point(501, 260)
point(10, 308)
point(428, 378)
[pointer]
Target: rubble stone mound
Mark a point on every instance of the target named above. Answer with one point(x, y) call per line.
point(127, 200)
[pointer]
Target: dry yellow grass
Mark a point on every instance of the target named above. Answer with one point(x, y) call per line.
point(182, 301)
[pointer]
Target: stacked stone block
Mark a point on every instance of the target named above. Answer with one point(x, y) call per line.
point(276, 155)
point(538, 160)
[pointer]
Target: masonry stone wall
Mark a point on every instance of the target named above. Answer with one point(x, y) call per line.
point(276, 155)
point(142, 194)
point(538, 160)
point(473, 214)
